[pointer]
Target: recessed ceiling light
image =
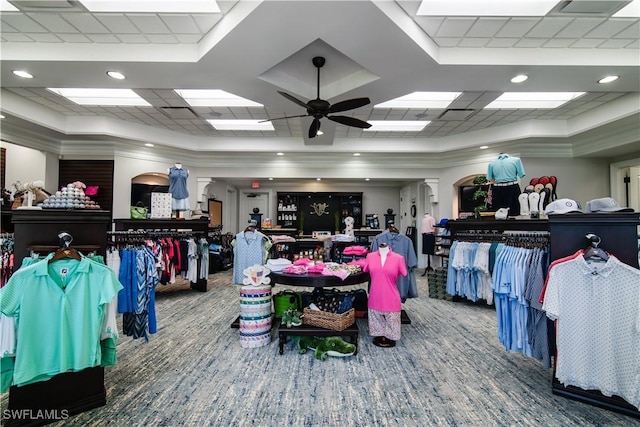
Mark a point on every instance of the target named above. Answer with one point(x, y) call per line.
point(240, 124)
point(421, 100)
point(356, 154)
point(608, 79)
point(280, 154)
point(23, 74)
point(318, 179)
point(519, 78)
point(484, 147)
point(270, 179)
point(532, 100)
point(631, 10)
point(367, 179)
point(2, 116)
point(397, 125)
point(116, 75)
point(152, 6)
point(485, 7)
point(148, 144)
point(214, 98)
point(320, 133)
point(5, 6)
point(89, 96)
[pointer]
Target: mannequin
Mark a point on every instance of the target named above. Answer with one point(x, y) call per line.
point(504, 172)
point(428, 239)
point(178, 189)
point(385, 306)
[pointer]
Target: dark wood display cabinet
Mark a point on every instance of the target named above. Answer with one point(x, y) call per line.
point(318, 211)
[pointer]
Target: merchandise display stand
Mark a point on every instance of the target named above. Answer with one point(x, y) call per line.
point(619, 234)
point(71, 392)
point(197, 227)
point(316, 281)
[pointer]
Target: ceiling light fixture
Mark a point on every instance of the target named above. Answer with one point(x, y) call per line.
point(532, 100)
point(280, 154)
point(484, 147)
point(356, 154)
point(318, 179)
point(397, 125)
point(148, 144)
point(367, 179)
point(2, 116)
point(113, 97)
point(240, 124)
point(116, 75)
point(485, 7)
point(608, 79)
point(421, 100)
point(23, 74)
point(270, 179)
point(632, 10)
point(152, 6)
point(320, 133)
point(519, 78)
point(5, 6)
point(214, 98)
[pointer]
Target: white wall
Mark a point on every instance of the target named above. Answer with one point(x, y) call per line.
point(27, 164)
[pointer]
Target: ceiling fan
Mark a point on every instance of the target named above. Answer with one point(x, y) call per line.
point(319, 108)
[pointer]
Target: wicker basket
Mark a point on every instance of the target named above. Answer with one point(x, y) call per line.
point(324, 319)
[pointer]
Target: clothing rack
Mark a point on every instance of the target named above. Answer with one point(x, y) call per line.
point(618, 232)
point(140, 236)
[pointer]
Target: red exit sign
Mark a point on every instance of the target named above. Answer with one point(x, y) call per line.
point(255, 184)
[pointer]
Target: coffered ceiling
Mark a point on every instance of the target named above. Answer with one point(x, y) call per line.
point(378, 49)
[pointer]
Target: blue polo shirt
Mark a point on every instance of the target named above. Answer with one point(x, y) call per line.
point(59, 309)
point(505, 169)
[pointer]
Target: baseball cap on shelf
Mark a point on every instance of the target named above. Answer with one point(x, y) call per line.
point(562, 206)
point(502, 213)
point(605, 204)
point(443, 222)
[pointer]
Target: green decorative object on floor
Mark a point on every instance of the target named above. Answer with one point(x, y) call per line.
point(291, 317)
point(324, 347)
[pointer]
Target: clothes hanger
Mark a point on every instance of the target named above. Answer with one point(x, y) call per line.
point(65, 251)
point(594, 251)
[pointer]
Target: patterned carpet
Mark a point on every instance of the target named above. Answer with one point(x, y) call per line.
point(447, 370)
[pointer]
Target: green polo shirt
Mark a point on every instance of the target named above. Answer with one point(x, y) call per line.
point(59, 309)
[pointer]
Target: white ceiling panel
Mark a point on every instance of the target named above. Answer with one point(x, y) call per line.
point(517, 27)
point(149, 24)
point(188, 38)
point(182, 24)
point(559, 43)
point(579, 27)
point(502, 42)
point(23, 23)
point(631, 32)
point(609, 28)
point(587, 43)
point(474, 42)
point(103, 38)
point(429, 24)
point(548, 27)
point(45, 38)
point(531, 42)
point(117, 23)
point(486, 27)
point(133, 38)
point(16, 37)
point(74, 38)
point(447, 41)
point(53, 22)
point(86, 23)
point(163, 38)
point(615, 44)
point(452, 27)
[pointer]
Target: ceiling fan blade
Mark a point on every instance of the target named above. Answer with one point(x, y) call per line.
point(293, 99)
point(350, 121)
point(282, 118)
point(349, 104)
point(313, 129)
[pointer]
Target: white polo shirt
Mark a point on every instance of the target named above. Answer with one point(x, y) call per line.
point(597, 307)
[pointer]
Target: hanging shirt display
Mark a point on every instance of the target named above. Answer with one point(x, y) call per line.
point(597, 311)
point(401, 245)
point(67, 299)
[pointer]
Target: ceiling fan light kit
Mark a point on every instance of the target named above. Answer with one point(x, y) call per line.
point(319, 108)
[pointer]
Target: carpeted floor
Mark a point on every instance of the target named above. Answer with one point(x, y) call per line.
point(447, 370)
